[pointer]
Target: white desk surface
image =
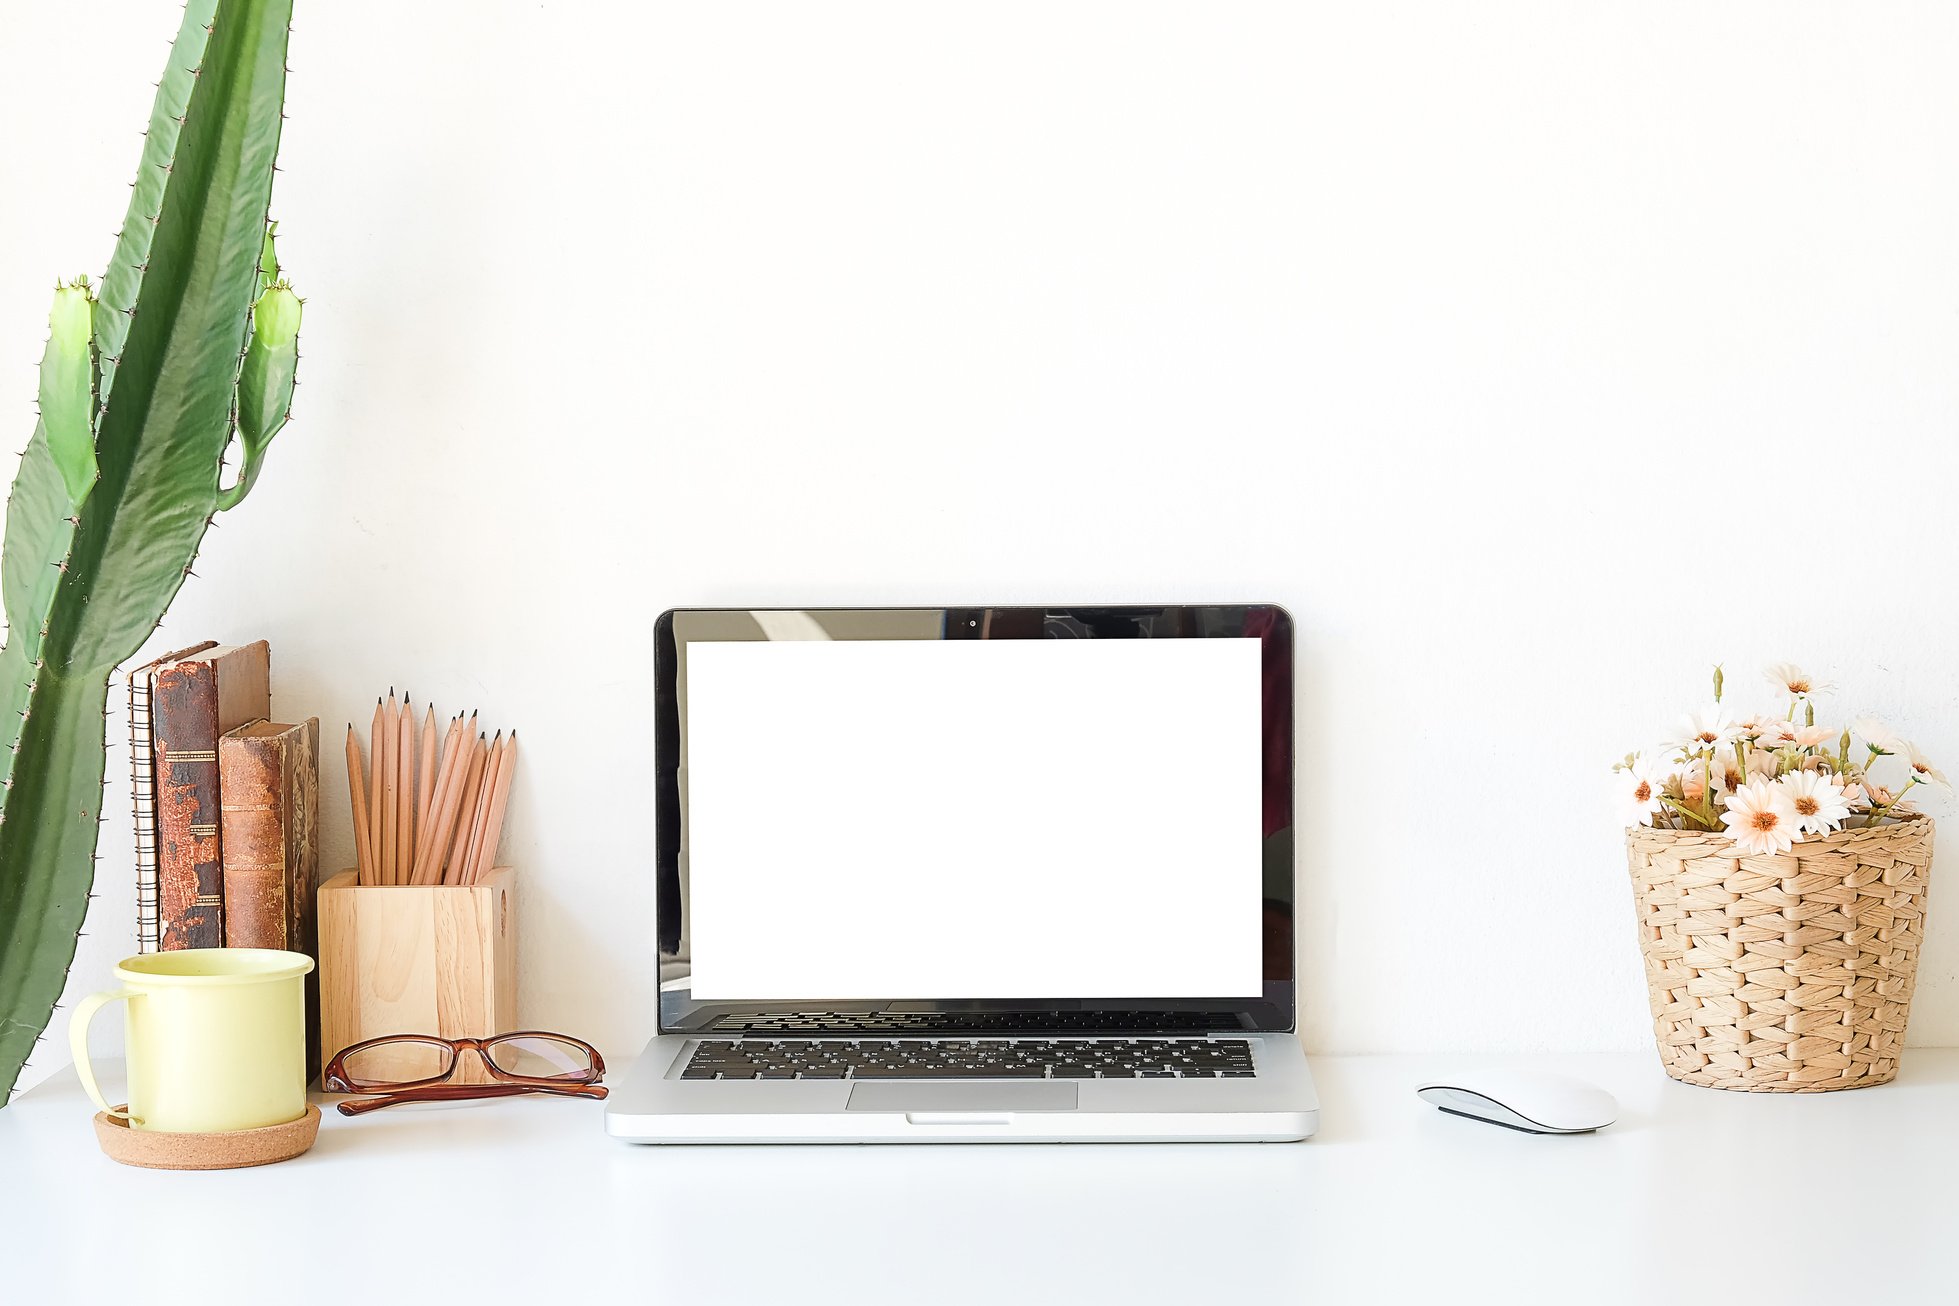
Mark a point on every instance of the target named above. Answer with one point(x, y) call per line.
point(1694, 1195)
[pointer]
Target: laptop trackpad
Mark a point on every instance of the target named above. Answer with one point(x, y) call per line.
point(1044, 1095)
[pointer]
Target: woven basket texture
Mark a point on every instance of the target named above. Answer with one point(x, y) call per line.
point(1786, 974)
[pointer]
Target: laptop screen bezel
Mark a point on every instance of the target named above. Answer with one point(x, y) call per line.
point(1273, 1009)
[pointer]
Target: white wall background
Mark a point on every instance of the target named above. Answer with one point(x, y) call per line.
point(1536, 356)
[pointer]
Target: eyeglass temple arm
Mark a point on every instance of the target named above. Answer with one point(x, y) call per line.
point(463, 1093)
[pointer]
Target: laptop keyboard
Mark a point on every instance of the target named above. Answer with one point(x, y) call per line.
point(1087, 1058)
point(954, 1023)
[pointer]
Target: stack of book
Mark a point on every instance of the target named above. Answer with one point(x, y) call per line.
point(226, 805)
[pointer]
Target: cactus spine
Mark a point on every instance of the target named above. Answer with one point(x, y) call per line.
point(191, 331)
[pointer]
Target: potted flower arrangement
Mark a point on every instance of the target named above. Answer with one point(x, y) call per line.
point(1779, 870)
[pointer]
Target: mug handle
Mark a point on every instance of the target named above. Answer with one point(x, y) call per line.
point(78, 1046)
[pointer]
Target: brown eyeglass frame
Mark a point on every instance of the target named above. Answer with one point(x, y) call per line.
point(437, 1088)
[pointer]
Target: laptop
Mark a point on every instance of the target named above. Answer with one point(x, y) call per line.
point(1017, 874)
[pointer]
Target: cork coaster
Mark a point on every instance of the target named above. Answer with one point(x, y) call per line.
point(228, 1151)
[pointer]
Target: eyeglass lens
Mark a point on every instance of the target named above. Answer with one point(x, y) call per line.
point(398, 1061)
point(537, 1056)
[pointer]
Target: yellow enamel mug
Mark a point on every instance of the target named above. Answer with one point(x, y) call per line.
point(216, 1039)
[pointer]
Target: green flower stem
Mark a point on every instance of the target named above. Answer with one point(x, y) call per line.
point(1878, 813)
point(1687, 812)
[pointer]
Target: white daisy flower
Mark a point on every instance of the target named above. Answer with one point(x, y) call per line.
point(1712, 727)
point(1729, 775)
point(1921, 766)
point(1641, 781)
point(1775, 732)
point(1877, 735)
point(1761, 819)
point(1820, 806)
point(1793, 680)
point(1815, 736)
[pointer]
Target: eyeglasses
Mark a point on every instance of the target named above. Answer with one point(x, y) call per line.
point(418, 1068)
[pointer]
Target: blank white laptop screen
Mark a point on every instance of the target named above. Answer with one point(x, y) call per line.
point(1042, 818)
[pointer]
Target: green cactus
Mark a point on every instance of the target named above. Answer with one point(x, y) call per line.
point(193, 331)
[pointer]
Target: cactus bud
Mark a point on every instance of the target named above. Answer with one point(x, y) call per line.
point(265, 382)
point(275, 318)
point(69, 318)
point(268, 260)
point(68, 388)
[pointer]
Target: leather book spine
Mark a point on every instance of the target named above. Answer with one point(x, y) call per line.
point(269, 828)
point(302, 829)
point(253, 780)
point(184, 730)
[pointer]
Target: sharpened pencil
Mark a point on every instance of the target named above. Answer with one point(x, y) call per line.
point(387, 746)
point(465, 818)
point(486, 855)
point(405, 792)
point(357, 794)
point(486, 759)
point(373, 795)
point(425, 779)
point(448, 787)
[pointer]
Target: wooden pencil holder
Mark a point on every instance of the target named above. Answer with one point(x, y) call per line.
point(435, 959)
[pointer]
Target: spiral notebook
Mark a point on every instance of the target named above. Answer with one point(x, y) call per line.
point(142, 792)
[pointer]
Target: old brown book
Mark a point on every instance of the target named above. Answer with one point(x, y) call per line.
point(269, 784)
point(142, 792)
point(193, 700)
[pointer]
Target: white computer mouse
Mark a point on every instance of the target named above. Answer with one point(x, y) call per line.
point(1533, 1101)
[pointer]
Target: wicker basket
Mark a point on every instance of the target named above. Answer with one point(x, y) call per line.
point(1789, 974)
